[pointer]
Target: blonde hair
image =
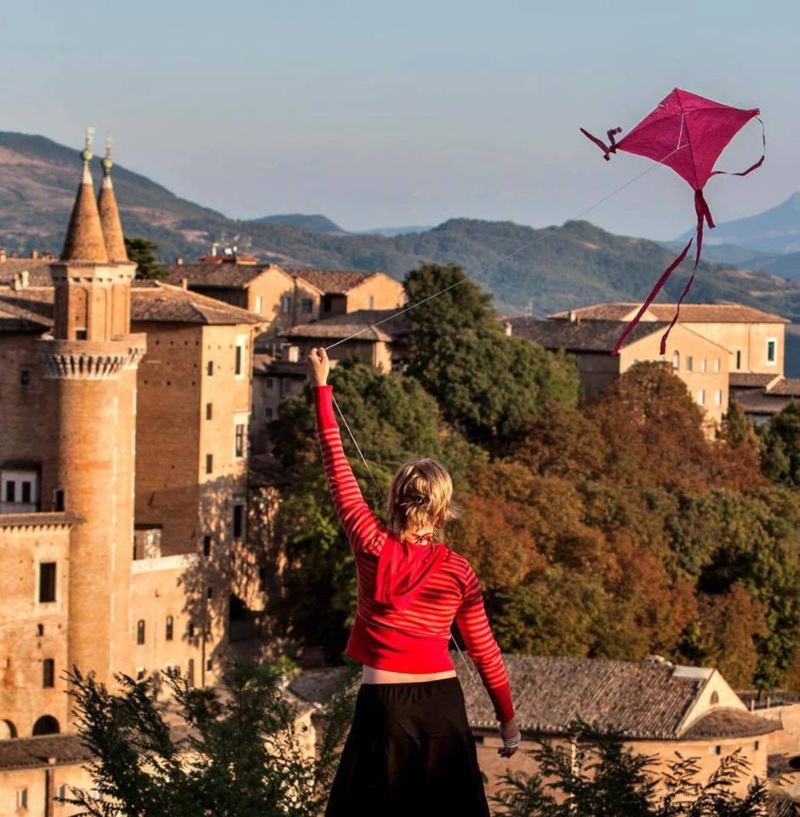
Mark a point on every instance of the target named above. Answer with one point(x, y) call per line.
point(421, 496)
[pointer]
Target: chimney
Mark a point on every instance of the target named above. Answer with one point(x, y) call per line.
point(34, 254)
point(3, 255)
point(179, 262)
point(184, 283)
point(16, 283)
point(25, 278)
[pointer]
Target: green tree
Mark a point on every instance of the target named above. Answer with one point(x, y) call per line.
point(235, 751)
point(596, 775)
point(487, 384)
point(144, 253)
point(781, 453)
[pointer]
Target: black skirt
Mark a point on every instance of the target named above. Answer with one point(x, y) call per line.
point(410, 752)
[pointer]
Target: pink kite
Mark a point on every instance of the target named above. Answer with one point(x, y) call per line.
point(687, 133)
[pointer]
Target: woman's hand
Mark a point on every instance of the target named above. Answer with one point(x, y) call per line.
point(318, 367)
point(509, 732)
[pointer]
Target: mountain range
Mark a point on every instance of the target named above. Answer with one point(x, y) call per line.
point(528, 270)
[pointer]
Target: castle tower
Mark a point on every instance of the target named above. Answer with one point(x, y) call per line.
point(109, 213)
point(89, 366)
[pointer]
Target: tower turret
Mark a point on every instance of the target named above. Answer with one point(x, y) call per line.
point(109, 213)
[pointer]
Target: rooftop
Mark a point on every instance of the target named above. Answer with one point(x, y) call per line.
point(25, 752)
point(169, 304)
point(332, 282)
point(372, 324)
point(750, 380)
point(580, 336)
point(690, 313)
point(218, 275)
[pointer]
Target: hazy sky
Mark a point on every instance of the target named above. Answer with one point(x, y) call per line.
point(410, 113)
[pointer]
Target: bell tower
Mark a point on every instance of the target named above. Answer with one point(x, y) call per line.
point(89, 365)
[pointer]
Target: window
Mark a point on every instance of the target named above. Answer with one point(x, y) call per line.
point(58, 500)
point(239, 445)
point(306, 306)
point(286, 304)
point(140, 631)
point(714, 698)
point(270, 383)
point(772, 351)
point(238, 521)
point(80, 334)
point(27, 493)
point(717, 365)
point(210, 368)
point(209, 463)
point(22, 798)
point(371, 302)
point(701, 397)
point(715, 750)
point(47, 582)
point(259, 304)
point(192, 631)
point(269, 413)
point(738, 359)
point(718, 397)
point(209, 664)
point(676, 361)
point(48, 673)
point(209, 411)
point(206, 546)
point(209, 592)
point(756, 745)
point(25, 377)
point(170, 632)
point(61, 792)
point(689, 363)
point(40, 630)
point(140, 674)
point(11, 491)
point(238, 368)
point(702, 364)
point(190, 671)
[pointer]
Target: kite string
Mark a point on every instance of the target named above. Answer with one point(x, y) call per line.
point(505, 257)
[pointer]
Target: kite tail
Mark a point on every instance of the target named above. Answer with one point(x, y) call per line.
point(651, 297)
point(607, 149)
point(703, 214)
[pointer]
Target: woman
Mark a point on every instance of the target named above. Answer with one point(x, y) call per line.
point(410, 750)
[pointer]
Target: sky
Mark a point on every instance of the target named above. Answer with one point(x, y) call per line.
point(385, 115)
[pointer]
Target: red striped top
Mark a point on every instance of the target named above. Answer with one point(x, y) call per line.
point(413, 638)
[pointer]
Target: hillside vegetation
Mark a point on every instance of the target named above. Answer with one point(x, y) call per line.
point(527, 269)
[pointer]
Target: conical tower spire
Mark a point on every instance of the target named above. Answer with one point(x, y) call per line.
point(109, 212)
point(84, 240)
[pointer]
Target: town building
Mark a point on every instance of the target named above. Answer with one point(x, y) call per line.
point(710, 348)
point(125, 412)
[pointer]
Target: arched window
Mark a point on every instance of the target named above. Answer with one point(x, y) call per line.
point(170, 628)
point(140, 631)
point(46, 725)
point(714, 698)
point(7, 730)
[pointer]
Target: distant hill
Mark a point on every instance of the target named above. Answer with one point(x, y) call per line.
point(390, 232)
point(527, 269)
point(314, 223)
point(774, 231)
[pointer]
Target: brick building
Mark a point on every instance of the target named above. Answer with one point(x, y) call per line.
point(124, 411)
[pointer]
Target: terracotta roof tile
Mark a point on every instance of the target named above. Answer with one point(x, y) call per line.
point(22, 311)
point(755, 401)
point(333, 282)
point(26, 752)
point(583, 336)
point(750, 380)
point(169, 304)
point(222, 275)
point(38, 271)
point(372, 324)
point(785, 387)
point(690, 313)
point(729, 723)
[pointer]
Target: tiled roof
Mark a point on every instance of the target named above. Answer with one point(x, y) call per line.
point(729, 723)
point(287, 368)
point(755, 401)
point(19, 312)
point(38, 270)
point(332, 282)
point(583, 336)
point(25, 752)
point(220, 275)
point(638, 701)
point(690, 313)
point(371, 324)
point(750, 380)
point(317, 686)
point(169, 304)
point(785, 387)
point(37, 520)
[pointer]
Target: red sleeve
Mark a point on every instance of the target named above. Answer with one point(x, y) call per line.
point(363, 529)
point(473, 625)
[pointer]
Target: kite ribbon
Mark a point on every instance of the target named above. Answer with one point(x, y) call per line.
point(703, 215)
point(607, 149)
